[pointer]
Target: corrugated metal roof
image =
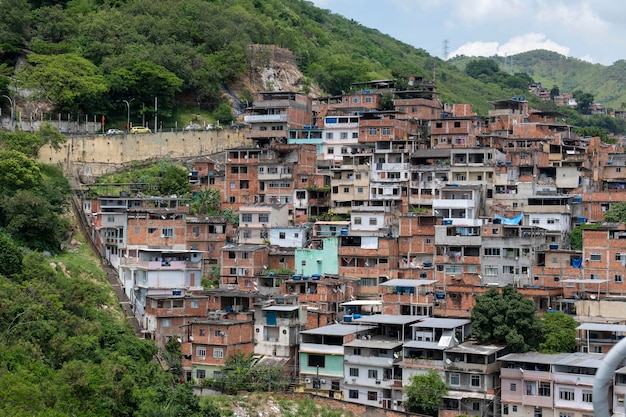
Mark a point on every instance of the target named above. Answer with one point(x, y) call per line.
point(388, 319)
point(280, 308)
point(377, 343)
point(338, 329)
point(441, 323)
point(473, 347)
point(603, 327)
point(534, 357)
point(419, 344)
point(362, 303)
point(582, 360)
point(413, 283)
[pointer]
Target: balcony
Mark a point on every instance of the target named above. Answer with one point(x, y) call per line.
point(265, 118)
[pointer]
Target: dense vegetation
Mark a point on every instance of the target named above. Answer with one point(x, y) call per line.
point(504, 316)
point(88, 56)
point(65, 350)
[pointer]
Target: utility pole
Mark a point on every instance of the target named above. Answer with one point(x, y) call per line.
point(128, 114)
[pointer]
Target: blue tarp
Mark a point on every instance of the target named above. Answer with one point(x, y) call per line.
point(513, 220)
point(577, 262)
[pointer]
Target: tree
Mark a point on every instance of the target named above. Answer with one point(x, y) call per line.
point(617, 213)
point(33, 221)
point(67, 81)
point(17, 171)
point(559, 333)
point(206, 202)
point(554, 91)
point(481, 68)
point(583, 101)
point(593, 132)
point(10, 256)
point(224, 114)
point(424, 393)
point(506, 317)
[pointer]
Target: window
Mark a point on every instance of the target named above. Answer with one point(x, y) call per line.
point(246, 218)
point(281, 235)
point(492, 251)
point(372, 373)
point(475, 381)
point(353, 393)
point(200, 373)
point(247, 234)
point(232, 185)
point(218, 333)
point(317, 360)
point(513, 387)
point(544, 389)
point(346, 190)
point(565, 414)
point(386, 131)
point(343, 135)
point(111, 219)
point(595, 256)
point(619, 278)
point(587, 396)
point(455, 379)
point(331, 150)
point(356, 351)
point(218, 353)
point(354, 372)
point(329, 135)
point(357, 220)
point(505, 409)
point(167, 232)
point(566, 394)
point(166, 323)
point(372, 395)
point(202, 332)
point(231, 199)
point(201, 351)
point(535, 221)
point(491, 270)
point(529, 387)
point(359, 190)
point(194, 304)
point(373, 221)
point(514, 408)
point(355, 135)
point(264, 218)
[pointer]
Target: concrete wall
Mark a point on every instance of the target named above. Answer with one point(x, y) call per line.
point(92, 156)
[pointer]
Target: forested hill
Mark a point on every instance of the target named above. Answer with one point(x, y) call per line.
point(88, 56)
point(606, 83)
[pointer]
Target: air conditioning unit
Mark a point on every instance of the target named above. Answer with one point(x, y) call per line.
point(191, 338)
point(322, 381)
point(307, 380)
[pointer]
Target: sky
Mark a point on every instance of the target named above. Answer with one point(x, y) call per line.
point(590, 30)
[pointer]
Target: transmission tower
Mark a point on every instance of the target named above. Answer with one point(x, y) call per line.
point(446, 48)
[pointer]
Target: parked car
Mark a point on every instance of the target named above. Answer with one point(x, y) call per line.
point(112, 132)
point(139, 129)
point(192, 127)
point(213, 127)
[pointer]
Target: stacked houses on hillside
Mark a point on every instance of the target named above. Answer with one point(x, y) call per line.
point(365, 233)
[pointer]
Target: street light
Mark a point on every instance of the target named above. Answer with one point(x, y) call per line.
point(128, 113)
point(12, 103)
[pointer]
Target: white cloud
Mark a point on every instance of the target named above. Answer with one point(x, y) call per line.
point(516, 45)
point(476, 12)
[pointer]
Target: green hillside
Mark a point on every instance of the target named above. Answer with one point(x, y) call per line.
point(606, 83)
point(87, 56)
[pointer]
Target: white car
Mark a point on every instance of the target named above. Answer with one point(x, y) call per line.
point(192, 127)
point(213, 127)
point(112, 132)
